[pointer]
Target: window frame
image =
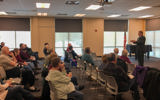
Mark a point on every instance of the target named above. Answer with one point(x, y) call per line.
point(68, 41)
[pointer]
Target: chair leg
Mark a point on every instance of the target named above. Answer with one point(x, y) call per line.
point(115, 97)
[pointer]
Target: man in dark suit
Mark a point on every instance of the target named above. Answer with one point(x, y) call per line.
point(140, 48)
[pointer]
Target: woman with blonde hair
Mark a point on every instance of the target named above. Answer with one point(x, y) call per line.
point(124, 56)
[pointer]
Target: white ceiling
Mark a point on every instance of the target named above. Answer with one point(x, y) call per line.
point(28, 8)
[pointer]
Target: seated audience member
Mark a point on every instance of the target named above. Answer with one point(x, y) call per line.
point(31, 53)
point(62, 83)
point(29, 50)
point(2, 45)
point(16, 52)
point(87, 57)
point(104, 62)
point(71, 55)
point(124, 56)
point(116, 51)
point(9, 63)
point(124, 82)
point(47, 66)
point(69, 44)
point(49, 57)
point(47, 50)
point(21, 62)
point(122, 64)
point(26, 57)
point(23, 53)
point(63, 70)
point(14, 93)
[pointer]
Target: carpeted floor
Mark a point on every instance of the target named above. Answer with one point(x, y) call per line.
point(92, 90)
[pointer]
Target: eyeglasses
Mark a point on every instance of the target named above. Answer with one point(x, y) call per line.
point(61, 62)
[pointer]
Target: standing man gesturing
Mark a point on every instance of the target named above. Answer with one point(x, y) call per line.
point(140, 47)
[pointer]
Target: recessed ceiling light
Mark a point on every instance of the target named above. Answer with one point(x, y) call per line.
point(93, 7)
point(116, 15)
point(79, 15)
point(42, 5)
point(42, 14)
point(146, 16)
point(140, 8)
point(3, 13)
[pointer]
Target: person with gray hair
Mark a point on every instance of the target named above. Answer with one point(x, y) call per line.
point(116, 51)
point(10, 65)
point(124, 56)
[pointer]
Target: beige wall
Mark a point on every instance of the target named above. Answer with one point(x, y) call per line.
point(93, 31)
point(42, 30)
point(135, 25)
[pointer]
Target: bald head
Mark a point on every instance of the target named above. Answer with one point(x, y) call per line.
point(116, 50)
point(5, 50)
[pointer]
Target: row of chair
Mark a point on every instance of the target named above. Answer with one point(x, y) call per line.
point(108, 82)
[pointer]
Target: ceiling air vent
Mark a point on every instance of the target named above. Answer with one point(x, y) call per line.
point(156, 6)
point(24, 10)
point(11, 13)
point(125, 15)
point(72, 2)
point(61, 14)
point(105, 2)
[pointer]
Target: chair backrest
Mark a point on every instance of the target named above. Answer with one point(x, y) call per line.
point(93, 54)
point(111, 84)
point(80, 63)
point(131, 68)
point(2, 73)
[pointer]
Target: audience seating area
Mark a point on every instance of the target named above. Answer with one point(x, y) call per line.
point(87, 75)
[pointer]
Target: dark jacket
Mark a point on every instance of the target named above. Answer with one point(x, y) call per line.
point(24, 55)
point(120, 76)
point(140, 44)
point(122, 64)
point(29, 51)
point(46, 52)
point(151, 84)
point(67, 57)
point(88, 58)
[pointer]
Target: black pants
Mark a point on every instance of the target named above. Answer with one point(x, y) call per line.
point(134, 87)
point(75, 95)
point(13, 73)
point(27, 75)
point(18, 93)
point(140, 57)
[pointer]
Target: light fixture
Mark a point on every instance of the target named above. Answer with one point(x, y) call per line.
point(93, 7)
point(79, 15)
point(72, 2)
point(115, 15)
point(140, 8)
point(146, 16)
point(3, 13)
point(42, 5)
point(42, 14)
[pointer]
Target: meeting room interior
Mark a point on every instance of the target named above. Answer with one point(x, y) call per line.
point(79, 49)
